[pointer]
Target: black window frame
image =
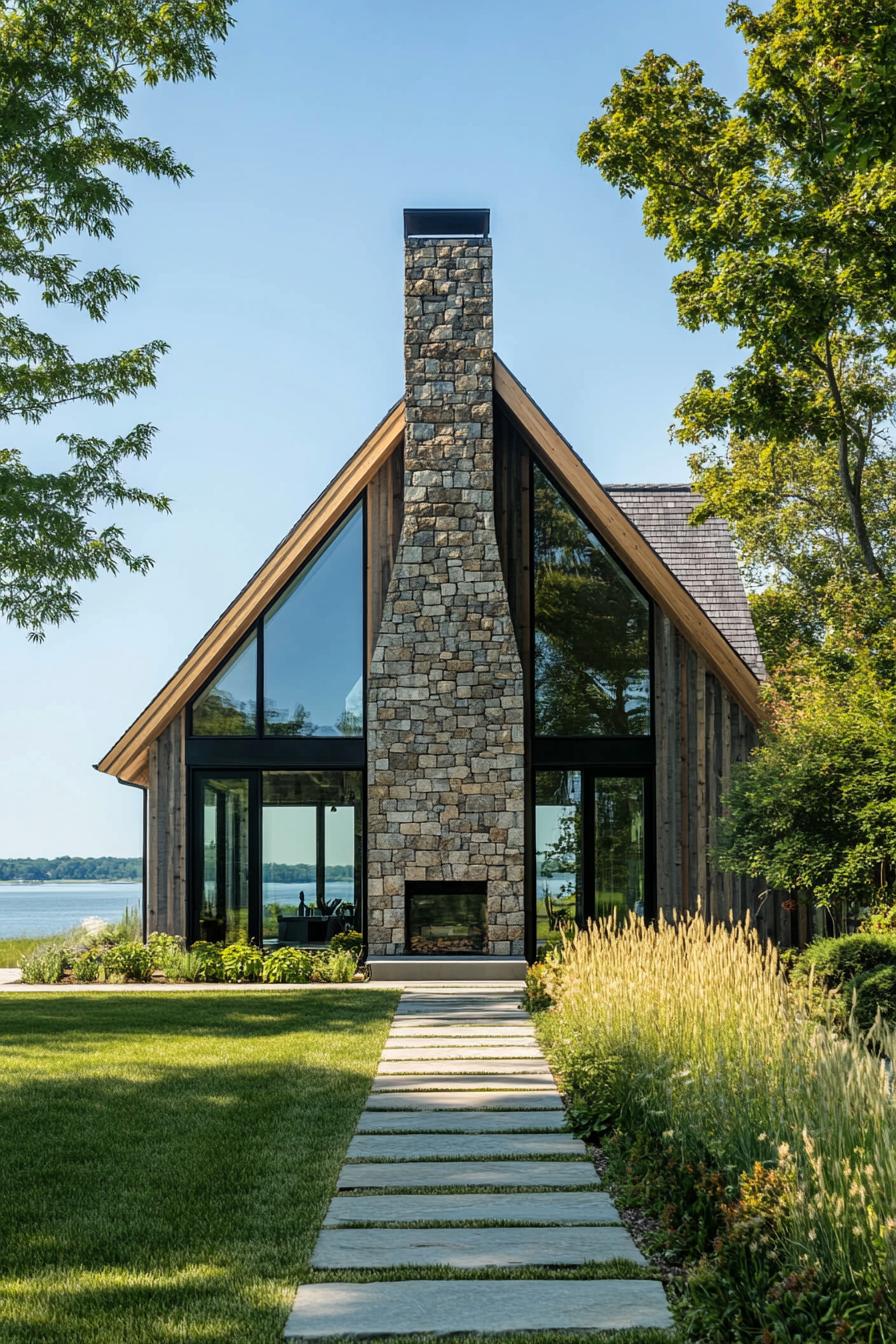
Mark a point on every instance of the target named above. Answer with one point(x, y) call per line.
point(196, 743)
point(590, 773)
point(592, 756)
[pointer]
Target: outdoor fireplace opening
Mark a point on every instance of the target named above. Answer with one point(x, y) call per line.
point(445, 918)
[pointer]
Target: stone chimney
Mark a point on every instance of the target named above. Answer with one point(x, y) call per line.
point(445, 696)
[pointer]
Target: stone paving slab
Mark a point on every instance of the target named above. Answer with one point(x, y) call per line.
point(539, 1210)
point(459, 1122)
point(471, 1019)
point(516, 1048)
point(446, 1082)
point(428, 1065)
point(410, 1027)
point(406, 1175)
point(471, 1247)
point(414, 1146)
point(460, 1099)
point(434, 1306)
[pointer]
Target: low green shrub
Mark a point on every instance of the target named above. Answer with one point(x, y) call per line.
point(336, 968)
point(206, 958)
point(349, 941)
point(870, 991)
point(288, 966)
point(44, 965)
point(127, 961)
point(87, 966)
point(165, 952)
point(241, 963)
point(881, 920)
point(833, 961)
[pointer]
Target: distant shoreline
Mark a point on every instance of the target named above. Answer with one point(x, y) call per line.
point(70, 881)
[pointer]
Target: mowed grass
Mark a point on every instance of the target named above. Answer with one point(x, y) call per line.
point(166, 1160)
point(11, 949)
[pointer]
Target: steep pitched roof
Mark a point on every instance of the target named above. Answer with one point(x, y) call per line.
point(701, 557)
point(128, 758)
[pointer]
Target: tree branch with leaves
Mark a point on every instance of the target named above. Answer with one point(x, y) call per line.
point(67, 71)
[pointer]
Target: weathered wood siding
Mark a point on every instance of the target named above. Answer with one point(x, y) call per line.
point(385, 510)
point(166, 832)
point(701, 732)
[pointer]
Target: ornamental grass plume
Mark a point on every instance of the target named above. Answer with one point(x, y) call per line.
point(690, 1032)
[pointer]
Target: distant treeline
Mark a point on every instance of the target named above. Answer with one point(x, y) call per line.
point(106, 868)
point(305, 872)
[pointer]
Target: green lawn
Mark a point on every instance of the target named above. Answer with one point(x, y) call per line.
point(11, 949)
point(165, 1160)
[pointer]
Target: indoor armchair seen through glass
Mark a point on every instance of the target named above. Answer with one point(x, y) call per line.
point(592, 630)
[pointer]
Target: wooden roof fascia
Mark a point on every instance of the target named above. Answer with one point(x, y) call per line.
point(620, 533)
point(127, 758)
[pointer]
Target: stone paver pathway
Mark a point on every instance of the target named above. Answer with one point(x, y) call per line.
point(461, 1162)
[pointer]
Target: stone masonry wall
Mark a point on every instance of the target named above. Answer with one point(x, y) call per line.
point(445, 692)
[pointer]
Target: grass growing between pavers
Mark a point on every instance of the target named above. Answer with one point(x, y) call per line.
point(166, 1160)
point(593, 1269)
point(533, 1337)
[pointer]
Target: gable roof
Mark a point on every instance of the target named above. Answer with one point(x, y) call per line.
point(702, 558)
point(128, 758)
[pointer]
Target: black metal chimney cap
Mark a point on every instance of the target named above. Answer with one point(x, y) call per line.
point(446, 223)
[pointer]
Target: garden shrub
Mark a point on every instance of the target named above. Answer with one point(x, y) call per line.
point(165, 951)
point(337, 967)
point(127, 961)
point(207, 961)
point(241, 963)
point(833, 961)
point(44, 965)
point(349, 941)
point(87, 965)
point(288, 966)
point(880, 920)
point(870, 991)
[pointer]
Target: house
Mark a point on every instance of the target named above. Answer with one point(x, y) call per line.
point(471, 695)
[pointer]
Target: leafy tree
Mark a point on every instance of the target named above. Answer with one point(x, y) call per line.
point(782, 208)
point(814, 810)
point(67, 69)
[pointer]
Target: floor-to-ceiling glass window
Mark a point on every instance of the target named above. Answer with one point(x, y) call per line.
point(310, 854)
point(590, 848)
point(224, 858)
point(559, 888)
point(275, 746)
point(619, 848)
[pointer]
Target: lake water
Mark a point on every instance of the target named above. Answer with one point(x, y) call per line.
point(29, 909)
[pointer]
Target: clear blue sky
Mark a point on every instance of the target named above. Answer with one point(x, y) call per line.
point(275, 274)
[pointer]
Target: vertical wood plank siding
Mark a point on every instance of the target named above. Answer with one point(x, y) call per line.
point(701, 732)
point(166, 832)
point(385, 510)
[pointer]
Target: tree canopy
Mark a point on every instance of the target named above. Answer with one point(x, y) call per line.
point(66, 73)
point(780, 209)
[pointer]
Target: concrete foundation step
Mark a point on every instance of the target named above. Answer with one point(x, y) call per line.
point(405, 969)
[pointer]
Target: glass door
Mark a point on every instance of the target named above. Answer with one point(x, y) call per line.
point(619, 845)
point(224, 843)
point(592, 847)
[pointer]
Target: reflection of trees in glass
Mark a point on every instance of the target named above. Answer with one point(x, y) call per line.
point(618, 846)
point(558, 848)
point(592, 630)
point(279, 722)
point(227, 707)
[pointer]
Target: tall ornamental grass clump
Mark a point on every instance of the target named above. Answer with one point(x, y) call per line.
point(685, 1044)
